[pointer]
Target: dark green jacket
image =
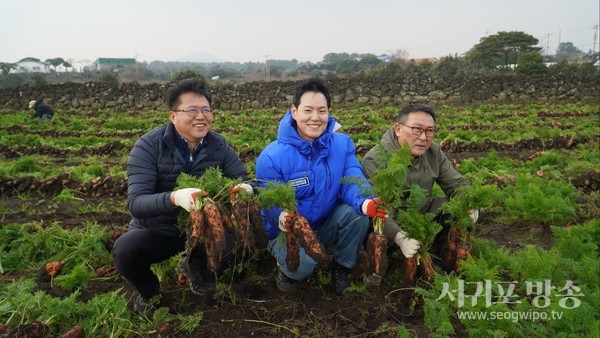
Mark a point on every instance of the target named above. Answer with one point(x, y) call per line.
point(432, 167)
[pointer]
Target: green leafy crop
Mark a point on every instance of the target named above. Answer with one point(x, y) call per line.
point(280, 195)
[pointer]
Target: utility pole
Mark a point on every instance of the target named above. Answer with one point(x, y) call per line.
point(137, 75)
point(595, 37)
point(267, 70)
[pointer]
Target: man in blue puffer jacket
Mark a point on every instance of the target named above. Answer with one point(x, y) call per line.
point(185, 145)
point(310, 155)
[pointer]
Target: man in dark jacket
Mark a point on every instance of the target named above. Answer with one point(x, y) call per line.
point(42, 110)
point(185, 145)
point(416, 126)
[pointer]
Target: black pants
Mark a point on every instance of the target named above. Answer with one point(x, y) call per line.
point(137, 249)
point(442, 236)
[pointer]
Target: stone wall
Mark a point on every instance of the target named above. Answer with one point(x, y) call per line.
point(346, 92)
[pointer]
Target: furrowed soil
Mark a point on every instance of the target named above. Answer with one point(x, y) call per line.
point(251, 305)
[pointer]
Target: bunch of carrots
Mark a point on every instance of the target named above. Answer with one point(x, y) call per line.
point(389, 184)
point(210, 220)
point(251, 234)
point(209, 223)
point(299, 232)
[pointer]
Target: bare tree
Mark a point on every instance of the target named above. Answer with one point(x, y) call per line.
point(400, 54)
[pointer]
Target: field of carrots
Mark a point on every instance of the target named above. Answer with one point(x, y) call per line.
point(532, 270)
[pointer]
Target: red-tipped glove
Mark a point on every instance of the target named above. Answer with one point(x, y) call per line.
point(370, 207)
point(240, 187)
point(285, 219)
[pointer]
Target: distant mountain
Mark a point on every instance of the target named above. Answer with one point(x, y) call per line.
point(200, 57)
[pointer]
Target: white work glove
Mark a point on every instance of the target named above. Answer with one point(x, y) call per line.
point(474, 214)
point(408, 246)
point(186, 198)
point(246, 187)
point(242, 186)
point(284, 220)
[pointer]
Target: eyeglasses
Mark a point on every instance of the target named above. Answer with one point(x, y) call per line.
point(193, 112)
point(417, 131)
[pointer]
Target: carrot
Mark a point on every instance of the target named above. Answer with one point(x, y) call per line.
point(245, 236)
point(76, 331)
point(182, 279)
point(212, 255)
point(167, 328)
point(53, 268)
point(461, 254)
point(292, 260)
point(214, 235)
point(462, 249)
point(410, 270)
point(226, 219)
point(35, 329)
point(377, 252)
point(425, 268)
point(448, 255)
point(196, 228)
point(106, 271)
point(215, 224)
point(453, 251)
point(308, 240)
point(257, 225)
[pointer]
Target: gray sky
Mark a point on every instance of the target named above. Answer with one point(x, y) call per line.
point(306, 30)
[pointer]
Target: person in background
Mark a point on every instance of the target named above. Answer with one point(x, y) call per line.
point(416, 126)
point(313, 158)
point(42, 110)
point(186, 144)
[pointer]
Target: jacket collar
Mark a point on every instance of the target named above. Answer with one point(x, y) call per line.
point(287, 133)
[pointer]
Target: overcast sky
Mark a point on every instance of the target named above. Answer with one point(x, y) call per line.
point(305, 30)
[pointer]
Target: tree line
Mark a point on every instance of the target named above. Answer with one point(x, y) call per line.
point(508, 53)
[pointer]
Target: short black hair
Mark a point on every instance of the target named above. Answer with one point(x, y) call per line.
point(415, 107)
point(190, 85)
point(314, 84)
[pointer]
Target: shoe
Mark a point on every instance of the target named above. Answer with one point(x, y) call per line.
point(198, 285)
point(372, 280)
point(143, 306)
point(339, 278)
point(284, 283)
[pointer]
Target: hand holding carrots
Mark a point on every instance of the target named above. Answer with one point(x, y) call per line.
point(285, 218)
point(238, 188)
point(185, 198)
point(408, 246)
point(371, 208)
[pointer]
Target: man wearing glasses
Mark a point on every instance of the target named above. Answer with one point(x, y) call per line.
point(416, 126)
point(184, 145)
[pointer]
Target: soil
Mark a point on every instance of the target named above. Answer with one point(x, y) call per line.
point(252, 305)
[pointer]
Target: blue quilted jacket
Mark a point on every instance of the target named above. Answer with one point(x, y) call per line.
point(314, 169)
point(154, 164)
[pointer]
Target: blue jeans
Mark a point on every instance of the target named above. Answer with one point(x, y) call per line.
point(344, 228)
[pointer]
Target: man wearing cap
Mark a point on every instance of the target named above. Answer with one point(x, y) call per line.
point(42, 110)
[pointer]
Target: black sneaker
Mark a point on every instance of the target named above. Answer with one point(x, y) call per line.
point(198, 285)
point(284, 283)
point(143, 306)
point(339, 278)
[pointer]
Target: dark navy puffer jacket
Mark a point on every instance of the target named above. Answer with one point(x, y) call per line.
point(154, 164)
